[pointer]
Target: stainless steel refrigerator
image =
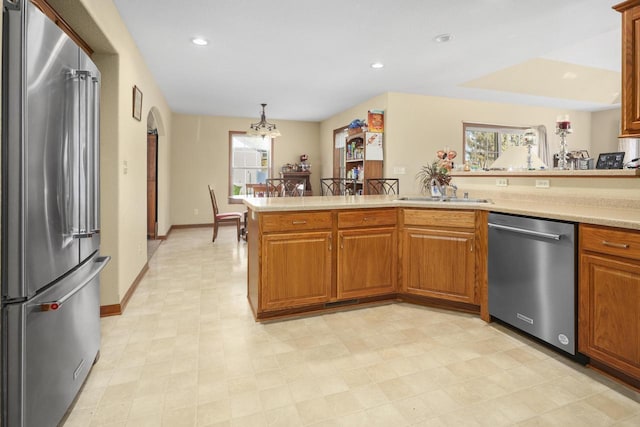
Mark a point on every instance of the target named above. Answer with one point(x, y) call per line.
point(50, 218)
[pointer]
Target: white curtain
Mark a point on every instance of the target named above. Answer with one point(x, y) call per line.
point(543, 146)
point(341, 138)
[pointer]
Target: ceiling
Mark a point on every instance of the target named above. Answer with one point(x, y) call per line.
point(309, 60)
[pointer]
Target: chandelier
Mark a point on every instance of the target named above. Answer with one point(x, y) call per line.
point(263, 127)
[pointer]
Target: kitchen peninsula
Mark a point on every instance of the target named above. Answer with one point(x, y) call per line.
point(315, 254)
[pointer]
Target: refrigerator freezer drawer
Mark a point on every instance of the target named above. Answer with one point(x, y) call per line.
point(52, 342)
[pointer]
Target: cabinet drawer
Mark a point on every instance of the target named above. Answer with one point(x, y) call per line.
point(439, 218)
point(610, 241)
point(296, 221)
point(366, 218)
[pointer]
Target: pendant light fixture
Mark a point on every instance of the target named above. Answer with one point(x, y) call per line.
point(263, 127)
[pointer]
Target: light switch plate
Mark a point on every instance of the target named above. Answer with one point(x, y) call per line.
point(542, 183)
point(502, 182)
point(399, 170)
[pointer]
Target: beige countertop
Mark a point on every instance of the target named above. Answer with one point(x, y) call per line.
point(590, 173)
point(599, 215)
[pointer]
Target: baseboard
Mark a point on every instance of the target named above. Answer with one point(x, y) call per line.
point(110, 310)
point(117, 309)
point(179, 226)
point(183, 226)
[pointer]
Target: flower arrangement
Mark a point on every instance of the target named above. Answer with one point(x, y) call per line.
point(437, 173)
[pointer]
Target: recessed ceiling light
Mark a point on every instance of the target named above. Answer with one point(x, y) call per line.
point(443, 38)
point(199, 41)
point(377, 65)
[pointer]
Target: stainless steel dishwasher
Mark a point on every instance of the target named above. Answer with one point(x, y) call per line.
point(532, 277)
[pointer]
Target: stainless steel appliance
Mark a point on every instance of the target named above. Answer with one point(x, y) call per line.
point(631, 148)
point(532, 277)
point(50, 218)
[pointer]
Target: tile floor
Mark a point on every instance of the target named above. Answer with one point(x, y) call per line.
point(187, 352)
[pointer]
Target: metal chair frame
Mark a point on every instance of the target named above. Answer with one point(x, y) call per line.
point(382, 185)
point(285, 187)
point(337, 186)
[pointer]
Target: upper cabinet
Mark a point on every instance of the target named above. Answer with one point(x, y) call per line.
point(630, 120)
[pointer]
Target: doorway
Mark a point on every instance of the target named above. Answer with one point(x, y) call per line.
point(152, 184)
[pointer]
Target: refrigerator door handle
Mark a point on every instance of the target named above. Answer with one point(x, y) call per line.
point(55, 305)
point(96, 155)
point(12, 4)
point(74, 216)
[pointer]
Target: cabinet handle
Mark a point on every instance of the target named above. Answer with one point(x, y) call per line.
point(615, 245)
point(298, 222)
point(341, 242)
point(365, 219)
point(471, 247)
point(330, 242)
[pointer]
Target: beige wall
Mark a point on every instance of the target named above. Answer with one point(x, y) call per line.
point(342, 119)
point(123, 142)
point(417, 126)
point(200, 156)
point(605, 129)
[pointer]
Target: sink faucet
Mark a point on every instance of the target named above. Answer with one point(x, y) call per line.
point(454, 189)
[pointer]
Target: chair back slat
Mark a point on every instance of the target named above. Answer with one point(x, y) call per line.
point(214, 203)
point(337, 186)
point(285, 187)
point(383, 185)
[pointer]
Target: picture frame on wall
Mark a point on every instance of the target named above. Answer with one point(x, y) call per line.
point(137, 103)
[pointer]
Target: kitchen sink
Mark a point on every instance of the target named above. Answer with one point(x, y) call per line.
point(446, 200)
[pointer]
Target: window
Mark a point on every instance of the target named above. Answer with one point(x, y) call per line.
point(484, 143)
point(249, 163)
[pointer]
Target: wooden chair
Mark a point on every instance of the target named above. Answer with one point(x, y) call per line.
point(382, 185)
point(337, 186)
point(285, 187)
point(223, 217)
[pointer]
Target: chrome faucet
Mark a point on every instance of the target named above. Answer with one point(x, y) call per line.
point(454, 189)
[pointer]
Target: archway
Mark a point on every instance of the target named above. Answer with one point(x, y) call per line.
point(155, 128)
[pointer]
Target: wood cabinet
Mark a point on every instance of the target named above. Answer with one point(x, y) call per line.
point(609, 297)
point(630, 97)
point(312, 260)
point(367, 253)
point(438, 254)
point(297, 267)
point(295, 260)
point(359, 160)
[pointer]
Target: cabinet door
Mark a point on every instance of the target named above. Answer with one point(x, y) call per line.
point(439, 264)
point(296, 269)
point(367, 260)
point(609, 311)
point(630, 125)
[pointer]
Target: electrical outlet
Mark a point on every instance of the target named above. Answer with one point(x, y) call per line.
point(502, 182)
point(542, 183)
point(196, 211)
point(399, 170)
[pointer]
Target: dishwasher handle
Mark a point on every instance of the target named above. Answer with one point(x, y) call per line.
point(526, 231)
